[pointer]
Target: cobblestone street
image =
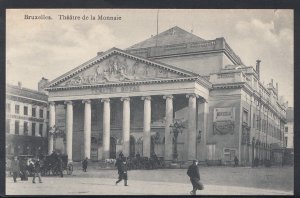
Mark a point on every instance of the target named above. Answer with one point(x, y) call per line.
point(217, 181)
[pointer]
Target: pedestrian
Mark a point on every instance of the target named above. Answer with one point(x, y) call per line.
point(138, 160)
point(84, 164)
point(37, 171)
point(23, 170)
point(60, 166)
point(122, 171)
point(236, 161)
point(193, 173)
point(15, 168)
point(121, 155)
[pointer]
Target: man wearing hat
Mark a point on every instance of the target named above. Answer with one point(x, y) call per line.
point(193, 173)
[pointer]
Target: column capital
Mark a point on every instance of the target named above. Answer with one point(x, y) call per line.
point(52, 103)
point(202, 100)
point(168, 97)
point(68, 102)
point(105, 100)
point(146, 98)
point(192, 95)
point(86, 101)
point(125, 99)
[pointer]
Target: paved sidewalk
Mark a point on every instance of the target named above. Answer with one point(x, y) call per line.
point(106, 186)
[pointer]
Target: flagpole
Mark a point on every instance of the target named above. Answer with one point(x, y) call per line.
point(156, 27)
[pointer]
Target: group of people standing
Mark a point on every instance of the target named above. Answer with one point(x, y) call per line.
point(16, 171)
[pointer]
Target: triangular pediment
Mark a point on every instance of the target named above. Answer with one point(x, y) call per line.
point(117, 66)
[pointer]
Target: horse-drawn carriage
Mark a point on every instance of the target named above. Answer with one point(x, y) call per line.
point(55, 165)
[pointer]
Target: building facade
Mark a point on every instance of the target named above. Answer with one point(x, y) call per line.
point(26, 121)
point(289, 128)
point(126, 100)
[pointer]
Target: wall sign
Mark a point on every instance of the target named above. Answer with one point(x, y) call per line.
point(223, 122)
point(115, 89)
point(224, 114)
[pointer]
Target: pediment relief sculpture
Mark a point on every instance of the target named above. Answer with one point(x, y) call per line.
point(118, 69)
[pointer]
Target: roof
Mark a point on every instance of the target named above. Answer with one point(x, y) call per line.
point(172, 36)
point(25, 92)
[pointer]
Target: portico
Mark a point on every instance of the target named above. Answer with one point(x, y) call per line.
point(117, 79)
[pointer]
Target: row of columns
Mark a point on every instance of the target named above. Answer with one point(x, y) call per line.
point(191, 136)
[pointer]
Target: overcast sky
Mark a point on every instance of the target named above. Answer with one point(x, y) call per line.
point(49, 48)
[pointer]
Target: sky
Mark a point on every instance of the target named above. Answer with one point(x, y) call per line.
point(49, 48)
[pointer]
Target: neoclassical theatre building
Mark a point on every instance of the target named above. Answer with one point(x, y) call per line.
point(126, 100)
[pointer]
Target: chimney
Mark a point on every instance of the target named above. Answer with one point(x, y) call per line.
point(42, 84)
point(20, 84)
point(99, 53)
point(272, 82)
point(258, 68)
point(277, 88)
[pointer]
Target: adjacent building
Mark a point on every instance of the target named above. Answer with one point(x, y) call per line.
point(126, 100)
point(289, 128)
point(26, 121)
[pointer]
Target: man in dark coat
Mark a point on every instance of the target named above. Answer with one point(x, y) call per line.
point(15, 168)
point(122, 171)
point(193, 173)
point(60, 166)
point(23, 170)
point(84, 164)
point(236, 161)
point(121, 155)
point(37, 170)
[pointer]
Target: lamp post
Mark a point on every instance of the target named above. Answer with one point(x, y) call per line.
point(176, 128)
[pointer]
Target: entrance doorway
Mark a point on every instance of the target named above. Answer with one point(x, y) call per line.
point(132, 146)
point(113, 148)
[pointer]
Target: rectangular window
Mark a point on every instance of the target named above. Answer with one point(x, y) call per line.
point(33, 112)
point(41, 130)
point(7, 127)
point(285, 141)
point(8, 107)
point(47, 114)
point(17, 125)
point(17, 109)
point(286, 129)
point(258, 123)
point(25, 128)
point(25, 110)
point(41, 113)
point(253, 120)
point(33, 129)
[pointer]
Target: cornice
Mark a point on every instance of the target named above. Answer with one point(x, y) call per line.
point(228, 85)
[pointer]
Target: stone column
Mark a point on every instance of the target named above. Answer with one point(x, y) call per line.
point(106, 128)
point(126, 126)
point(169, 121)
point(87, 128)
point(69, 129)
point(147, 126)
point(203, 113)
point(51, 124)
point(192, 131)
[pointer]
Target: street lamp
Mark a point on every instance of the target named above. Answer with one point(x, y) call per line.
point(176, 128)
